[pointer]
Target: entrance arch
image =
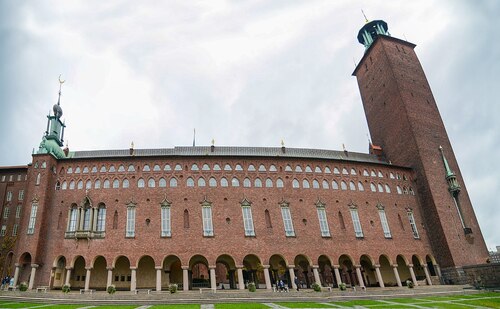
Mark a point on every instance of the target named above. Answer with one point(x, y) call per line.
point(79, 273)
point(122, 276)
point(59, 272)
point(146, 273)
point(418, 268)
point(99, 274)
point(25, 267)
point(403, 270)
point(387, 271)
point(347, 271)
point(303, 270)
point(199, 275)
point(431, 265)
point(253, 271)
point(326, 273)
point(172, 269)
point(225, 269)
point(368, 271)
point(279, 270)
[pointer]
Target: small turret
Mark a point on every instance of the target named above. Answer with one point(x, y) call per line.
point(370, 32)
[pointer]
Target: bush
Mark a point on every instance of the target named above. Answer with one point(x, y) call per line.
point(23, 287)
point(111, 289)
point(172, 288)
point(409, 284)
point(316, 287)
point(342, 286)
point(252, 287)
point(66, 288)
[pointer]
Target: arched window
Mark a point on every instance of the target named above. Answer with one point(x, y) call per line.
point(279, 183)
point(58, 186)
point(315, 184)
point(216, 167)
point(344, 171)
point(116, 184)
point(308, 169)
point(178, 167)
point(380, 175)
point(146, 168)
point(88, 185)
point(365, 173)
point(235, 182)
point(352, 186)
point(288, 168)
point(327, 170)
point(107, 184)
point(317, 169)
point(336, 170)
point(194, 167)
point(353, 172)
point(223, 182)
point(262, 168)
point(212, 182)
point(205, 167)
point(167, 167)
point(391, 175)
point(305, 184)
point(373, 174)
point(387, 188)
point(111, 169)
point(173, 182)
point(102, 170)
point(71, 184)
point(140, 183)
point(343, 185)
point(121, 168)
point(298, 169)
point(70, 169)
point(64, 185)
point(186, 219)
point(269, 183)
point(405, 190)
point(156, 168)
point(38, 179)
point(80, 185)
point(131, 168)
point(295, 183)
point(257, 183)
point(272, 168)
point(325, 184)
point(335, 185)
point(238, 168)
point(380, 188)
point(73, 218)
point(247, 183)
point(227, 167)
point(411, 191)
point(94, 169)
point(162, 183)
point(190, 182)
point(125, 183)
point(398, 189)
point(201, 182)
point(151, 183)
point(77, 170)
point(360, 186)
point(268, 219)
point(101, 217)
point(85, 170)
point(251, 168)
point(97, 184)
point(373, 188)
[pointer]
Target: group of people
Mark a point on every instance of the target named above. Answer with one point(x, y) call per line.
point(282, 287)
point(6, 281)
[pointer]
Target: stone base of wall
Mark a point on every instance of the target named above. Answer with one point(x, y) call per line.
point(454, 275)
point(483, 275)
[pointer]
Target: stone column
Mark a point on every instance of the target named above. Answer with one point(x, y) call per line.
point(213, 279)
point(267, 278)
point(231, 279)
point(94, 220)
point(32, 277)
point(87, 278)
point(69, 220)
point(52, 277)
point(110, 277)
point(241, 283)
point(427, 276)
point(167, 277)
point(396, 274)
point(291, 270)
point(412, 273)
point(337, 274)
point(158, 277)
point(438, 272)
point(80, 219)
point(68, 275)
point(133, 281)
point(316, 274)
point(185, 278)
point(379, 276)
point(360, 277)
point(16, 273)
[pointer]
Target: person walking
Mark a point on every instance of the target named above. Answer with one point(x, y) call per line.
point(297, 283)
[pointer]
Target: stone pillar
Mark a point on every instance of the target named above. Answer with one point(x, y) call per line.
point(231, 279)
point(396, 274)
point(133, 281)
point(412, 273)
point(292, 276)
point(87, 278)
point(167, 277)
point(110, 277)
point(267, 278)
point(213, 279)
point(379, 276)
point(360, 277)
point(316, 274)
point(438, 272)
point(16, 273)
point(158, 277)
point(80, 219)
point(51, 279)
point(241, 283)
point(427, 276)
point(32, 277)
point(185, 278)
point(69, 220)
point(68, 275)
point(94, 219)
point(337, 274)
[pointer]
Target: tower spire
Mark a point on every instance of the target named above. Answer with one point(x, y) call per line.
point(366, 19)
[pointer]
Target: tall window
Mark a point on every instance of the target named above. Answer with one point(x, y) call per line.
point(287, 219)
point(18, 211)
point(247, 218)
point(38, 178)
point(101, 218)
point(323, 223)
point(206, 212)
point(3, 230)
point(130, 228)
point(383, 221)
point(413, 225)
point(9, 196)
point(14, 230)
point(358, 231)
point(31, 224)
point(87, 214)
point(21, 195)
point(6, 212)
point(73, 218)
point(166, 230)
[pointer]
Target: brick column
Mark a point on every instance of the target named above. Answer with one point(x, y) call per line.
point(379, 276)
point(291, 270)
point(185, 278)
point(396, 274)
point(213, 280)
point(16, 273)
point(87, 278)
point(110, 277)
point(133, 281)
point(337, 274)
point(68, 275)
point(241, 283)
point(360, 277)
point(316, 274)
point(32, 277)
point(427, 276)
point(158, 277)
point(267, 278)
point(412, 273)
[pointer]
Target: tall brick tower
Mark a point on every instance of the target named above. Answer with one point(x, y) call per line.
point(404, 120)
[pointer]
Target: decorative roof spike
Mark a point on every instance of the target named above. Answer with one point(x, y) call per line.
point(451, 178)
point(366, 19)
point(449, 172)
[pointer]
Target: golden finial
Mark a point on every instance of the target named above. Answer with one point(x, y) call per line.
point(366, 19)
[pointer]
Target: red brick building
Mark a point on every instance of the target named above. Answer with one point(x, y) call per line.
point(225, 216)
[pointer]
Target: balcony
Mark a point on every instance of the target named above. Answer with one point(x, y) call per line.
point(85, 234)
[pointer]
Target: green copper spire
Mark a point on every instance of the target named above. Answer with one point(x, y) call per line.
point(371, 30)
point(451, 178)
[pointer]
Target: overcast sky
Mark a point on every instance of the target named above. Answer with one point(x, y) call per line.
point(246, 73)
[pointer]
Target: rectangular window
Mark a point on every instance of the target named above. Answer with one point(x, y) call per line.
point(86, 219)
point(130, 232)
point(9, 196)
point(3, 230)
point(358, 231)
point(3, 178)
point(6, 212)
point(323, 223)
point(208, 229)
point(166, 231)
point(14, 230)
point(385, 224)
point(73, 216)
point(18, 211)
point(413, 225)
point(19, 177)
point(10, 177)
point(248, 221)
point(287, 221)
point(21, 195)
point(101, 219)
point(31, 224)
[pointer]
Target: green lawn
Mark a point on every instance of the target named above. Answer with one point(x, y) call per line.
point(241, 306)
point(303, 305)
point(179, 306)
